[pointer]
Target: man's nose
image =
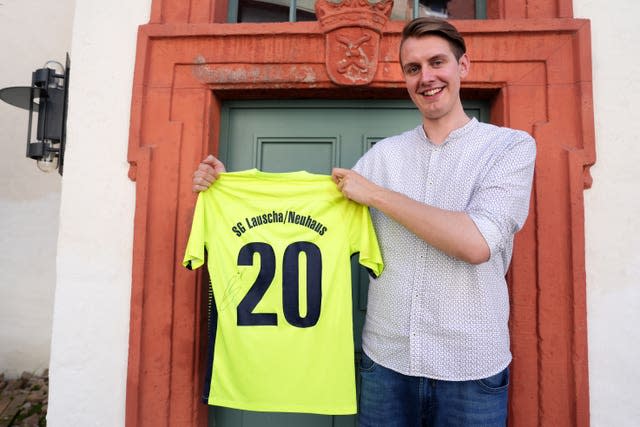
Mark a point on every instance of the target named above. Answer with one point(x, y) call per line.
point(426, 74)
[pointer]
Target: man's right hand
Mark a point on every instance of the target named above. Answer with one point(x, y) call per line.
point(207, 172)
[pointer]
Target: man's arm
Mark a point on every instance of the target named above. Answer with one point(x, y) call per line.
point(454, 233)
point(207, 172)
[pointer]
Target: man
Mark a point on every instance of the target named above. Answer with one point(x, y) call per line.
point(446, 199)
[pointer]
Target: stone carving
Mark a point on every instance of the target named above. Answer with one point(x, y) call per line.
point(352, 29)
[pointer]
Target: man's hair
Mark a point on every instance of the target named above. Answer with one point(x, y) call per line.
point(426, 26)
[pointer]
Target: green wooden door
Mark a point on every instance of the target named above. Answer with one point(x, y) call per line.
point(311, 135)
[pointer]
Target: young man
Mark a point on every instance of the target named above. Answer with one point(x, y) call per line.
point(446, 199)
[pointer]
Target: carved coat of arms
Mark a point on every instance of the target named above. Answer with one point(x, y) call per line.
point(352, 36)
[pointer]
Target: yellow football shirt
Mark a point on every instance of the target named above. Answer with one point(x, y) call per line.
point(278, 253)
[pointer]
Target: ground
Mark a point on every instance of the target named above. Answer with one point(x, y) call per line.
point(23, 400)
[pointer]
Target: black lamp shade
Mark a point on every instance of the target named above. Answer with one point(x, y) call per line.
point(18, 96)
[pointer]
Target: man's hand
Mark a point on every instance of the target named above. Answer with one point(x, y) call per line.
point(207, 173)
point(354, 186)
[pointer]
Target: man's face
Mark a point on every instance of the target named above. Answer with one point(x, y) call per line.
point(432, 75)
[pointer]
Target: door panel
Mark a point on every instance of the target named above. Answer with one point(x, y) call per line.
point(311, 135)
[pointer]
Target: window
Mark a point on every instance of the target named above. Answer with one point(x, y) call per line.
point(303, 10)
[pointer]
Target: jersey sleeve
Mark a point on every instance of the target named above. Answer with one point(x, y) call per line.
point(194, 253)
point(364, 240)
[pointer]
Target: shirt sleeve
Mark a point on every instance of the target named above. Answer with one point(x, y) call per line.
point(364, 240)
point(500, 205)
point(194, 253)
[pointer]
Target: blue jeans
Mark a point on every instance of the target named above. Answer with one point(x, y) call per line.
point(391, 399)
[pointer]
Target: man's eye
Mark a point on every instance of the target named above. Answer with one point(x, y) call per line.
point(411, 69)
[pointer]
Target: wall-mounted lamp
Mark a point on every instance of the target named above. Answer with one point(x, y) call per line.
point(48, 97)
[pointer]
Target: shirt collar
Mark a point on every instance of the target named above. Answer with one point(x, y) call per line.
point(454, 134)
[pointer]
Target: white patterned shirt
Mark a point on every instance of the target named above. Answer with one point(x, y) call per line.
point(429, 314)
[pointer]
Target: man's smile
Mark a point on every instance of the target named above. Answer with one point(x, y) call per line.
point(432, 92)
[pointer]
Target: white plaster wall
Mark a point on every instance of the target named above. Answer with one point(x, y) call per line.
point(612, 214)
point(91, 314)
point(29, 199)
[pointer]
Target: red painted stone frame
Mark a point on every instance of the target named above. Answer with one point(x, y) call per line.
point(533, 63)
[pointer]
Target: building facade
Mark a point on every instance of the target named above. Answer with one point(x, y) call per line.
point(127, 322)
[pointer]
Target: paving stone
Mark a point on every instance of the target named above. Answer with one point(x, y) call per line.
point(23, 400)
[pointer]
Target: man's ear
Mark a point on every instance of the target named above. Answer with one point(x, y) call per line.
point(464, 64)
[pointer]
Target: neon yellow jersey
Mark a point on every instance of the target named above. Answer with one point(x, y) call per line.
point(278, 253)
